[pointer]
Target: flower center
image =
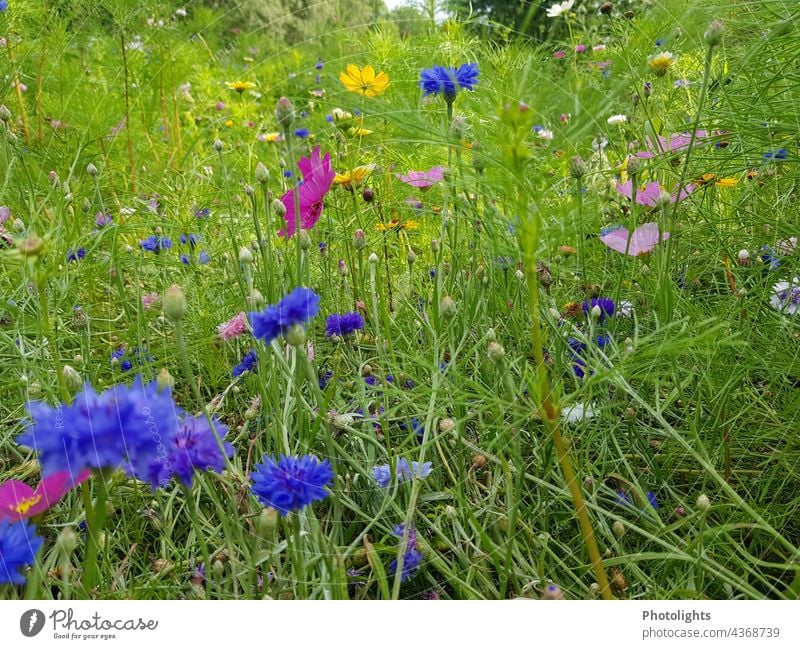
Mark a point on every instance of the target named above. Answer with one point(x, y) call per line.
point(24, 505)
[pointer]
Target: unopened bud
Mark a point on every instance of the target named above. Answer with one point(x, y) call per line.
point(553, 592)
point(255, 299)
point(373, 258)
point(249, 190)
point(703, 502)
point(261, 173)
point(633, 165)
point(71, 378)
point(217, 145)
point(165, 380)
point(175, 306)
point(495, 351)
point(368, 195)
point(435, 245)
point(67, 541)
point(411, 257)
point(448, 307)
point(296, 336)
point(618, 528)
point(91, 170)
point(577, 167)
point(359, 239)
point(305, 240)
point(5, 114)
point(31, 246)
point(596, 312)
point(245, 256)
point(743, 257)
point(284, 112)
point(447, 425)
point(278, 207)
point(606, 8)
point(713, 34)
point(267, 521)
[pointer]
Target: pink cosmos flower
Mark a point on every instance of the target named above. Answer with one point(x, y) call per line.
point(559, 55)
point(580, 49)
point(642, 241)
point(423, 179)
point(674, 142)
point(599, 48)
point(650, 194)
point(234, 327)
point(18, 501)
point(318, 177)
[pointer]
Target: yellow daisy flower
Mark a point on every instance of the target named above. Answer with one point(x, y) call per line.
point(364, 81)
point(396, 225)
point(727, 182)
point(661, 62)
point(240, 86)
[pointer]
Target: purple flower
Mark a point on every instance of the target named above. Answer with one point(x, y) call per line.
point(246, 364)
point(195, 447)
point(102, 220)
point(115, 429)
point(302, 132)
point(412, 558)
point(155, 244)
point(383, 474)
point(291, 483)
point(343, 324)
point(18, 547)
point(297, 307)
point(440, 80)
point(75, 255)
point(605, 304)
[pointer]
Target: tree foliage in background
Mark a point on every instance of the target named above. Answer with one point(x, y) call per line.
point(525, 17)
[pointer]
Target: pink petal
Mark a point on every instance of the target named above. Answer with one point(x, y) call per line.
point(12, 492)
point(616, 240)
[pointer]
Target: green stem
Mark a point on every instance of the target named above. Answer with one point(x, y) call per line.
point(95, 519)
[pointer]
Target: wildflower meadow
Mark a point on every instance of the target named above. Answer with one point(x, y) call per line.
point(338, 300)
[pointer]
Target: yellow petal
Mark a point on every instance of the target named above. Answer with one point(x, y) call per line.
point(367, 74)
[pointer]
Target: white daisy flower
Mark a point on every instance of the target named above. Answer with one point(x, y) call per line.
point(560, 8)
point(576, 412)
point(617, 119)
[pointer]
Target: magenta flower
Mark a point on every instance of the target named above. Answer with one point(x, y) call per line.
point(674, 142)
point(18, 501)
point(234, 327)
point(580, 49)
point(423, 179)
point(559, 55)
point(149, 299)
point(642, 241)
point(318, 177)
point(650, 194)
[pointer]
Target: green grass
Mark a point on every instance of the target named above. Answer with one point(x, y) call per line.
point(697, 392)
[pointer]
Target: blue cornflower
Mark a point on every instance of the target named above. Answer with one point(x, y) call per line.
point(247, 363)
point(448, 81)
point(122, 427)
point(297, 307)
point(606, 305)
point(155, 244)
point(771, 257)
point(202, 213)
point(195, 447)
point(780, 154)
point(75, 255)
point(18, 546)
point(287, 173)
point(320, 64)
point(324, 379)
point(651, 498)
point(140, 356)
point(343, 324)
point(302, 132)
point(291, 483)
point(383, 474)
point(203, 258)
point(412, 558)
point(329, 119)
point(660, 42)
point(191, 239)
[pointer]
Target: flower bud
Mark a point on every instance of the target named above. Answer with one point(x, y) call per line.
point(261, 173)
point(5, 114)
point(618, 528)
point(305, 240)
point(175, 306)
point(217, 145)
point(32, 246)
point(71, 378)
point(267, 522)
point(713, 35)
point(278, 207)
point(359, 239)
point(373, 258)
point(256, 299)
point(165, 380)
point(249, 190)
point(703, 503)
point(86, 205)
point(245, 256)
point(495, 351)
point(435, 245)
point(743, 257)
point(342, 267)
point(284, 112)
point(596, 312)
point(664, 199)
point(577, 167)
point(552, 592)
point(447, 425)
point(451, 512)
point(633, 165)
point(606, 8)
point(296, 336)
point(91, 170)
point(411, 257)
point(368, 195)
point(67, 541)
point(448, 307)
point(491, 336)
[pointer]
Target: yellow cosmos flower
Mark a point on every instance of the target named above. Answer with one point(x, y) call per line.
point(356, 131)
point(353, 178)
point(364, 81)
point(727, 182)
point(240, 86)
point(662, 62)
point(229, 123)
point(272, 137)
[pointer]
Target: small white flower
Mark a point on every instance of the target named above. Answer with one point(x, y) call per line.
point(576, 412)
point(625, 308)
point(617, 119)
point(181, 13)
point(786, 297)
point(560, 8)
point(544, 134)
point(127, 211)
